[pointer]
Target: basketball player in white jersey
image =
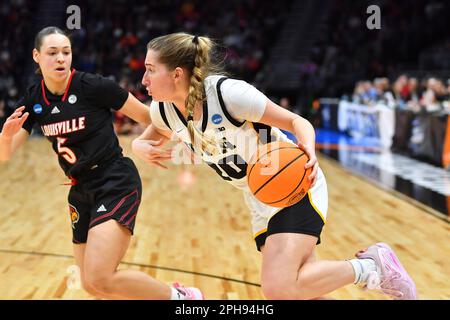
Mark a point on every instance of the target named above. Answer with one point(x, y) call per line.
point(223, 121)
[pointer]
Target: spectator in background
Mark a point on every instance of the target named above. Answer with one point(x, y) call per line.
point(414, 94)
point(441, 91)
point(401, 89)
point(370, 92)
point(446, 104)
point(357, 92)
point(413, 102)
point(365, 93)
point(429, 97)
point(383, 91)
point(433, 95)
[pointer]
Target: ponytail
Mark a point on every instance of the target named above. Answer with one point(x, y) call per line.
point(195, 54)
point(197, 91)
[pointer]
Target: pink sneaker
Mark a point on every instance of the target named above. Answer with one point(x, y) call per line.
point(189, 293)
point(392, 278)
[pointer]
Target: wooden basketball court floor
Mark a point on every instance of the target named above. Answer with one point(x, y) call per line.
point(201, 235)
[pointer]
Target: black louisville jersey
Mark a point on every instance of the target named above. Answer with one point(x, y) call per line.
point(78, 123)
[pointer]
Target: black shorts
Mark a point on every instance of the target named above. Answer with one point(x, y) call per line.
point(110, 192)
point(301, 217)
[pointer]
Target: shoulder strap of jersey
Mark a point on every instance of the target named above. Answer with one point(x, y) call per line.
point(163, 114)
point(264, 132)
point(223, 106)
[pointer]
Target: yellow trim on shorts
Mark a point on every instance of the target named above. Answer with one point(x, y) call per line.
point(315, 208)
point(259, 233)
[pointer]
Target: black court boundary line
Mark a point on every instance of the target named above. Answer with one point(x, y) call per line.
point(394, 192)
point(57, 255)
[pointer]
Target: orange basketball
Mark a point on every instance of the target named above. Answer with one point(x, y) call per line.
point(277, 175)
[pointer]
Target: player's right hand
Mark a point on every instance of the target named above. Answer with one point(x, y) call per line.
point(312, 162)
point(14, 123)
point(149, 151)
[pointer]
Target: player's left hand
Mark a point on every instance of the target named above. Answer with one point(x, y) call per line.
point(312, 162)
point(151, 152)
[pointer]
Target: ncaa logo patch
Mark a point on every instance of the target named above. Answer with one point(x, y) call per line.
point(74, 215)
point(37, 108)
point(72, 99)
point(216, 119)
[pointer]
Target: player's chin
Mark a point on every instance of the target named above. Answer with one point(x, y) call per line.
point(59, 75)
point(154, 96)
point(158, 96)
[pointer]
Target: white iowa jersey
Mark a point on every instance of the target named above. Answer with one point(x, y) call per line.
point(230, 117)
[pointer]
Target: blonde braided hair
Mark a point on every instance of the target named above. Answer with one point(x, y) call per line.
point(194, 54)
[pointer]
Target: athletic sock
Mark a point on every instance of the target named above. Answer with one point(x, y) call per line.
point(362, 268)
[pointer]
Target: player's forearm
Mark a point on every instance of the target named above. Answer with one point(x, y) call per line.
point(5, 148)
point(151, 134)
point(9, 145)
point(304, 131)
point(147, 134)
point(136, 110)
point(143, 118)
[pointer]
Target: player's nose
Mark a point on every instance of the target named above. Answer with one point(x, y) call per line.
point(145, 82)
point(60, 57)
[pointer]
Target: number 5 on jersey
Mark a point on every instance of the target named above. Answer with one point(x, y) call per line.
point(65, 152)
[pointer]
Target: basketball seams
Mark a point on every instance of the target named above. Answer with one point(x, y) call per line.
point(279, 171)
point(296, 188)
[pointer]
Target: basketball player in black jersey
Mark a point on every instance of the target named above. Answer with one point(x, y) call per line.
point(73, 110)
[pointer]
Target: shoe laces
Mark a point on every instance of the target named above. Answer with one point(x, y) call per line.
point(384, 284)
point(182, 290)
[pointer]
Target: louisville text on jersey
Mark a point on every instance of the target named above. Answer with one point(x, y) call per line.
point(63, 127)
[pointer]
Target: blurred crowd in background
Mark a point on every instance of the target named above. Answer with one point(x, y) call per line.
point(112, 41)
point(114, 35)
point(414, 39)
point(418, 95)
